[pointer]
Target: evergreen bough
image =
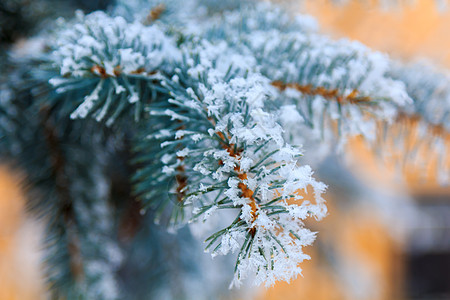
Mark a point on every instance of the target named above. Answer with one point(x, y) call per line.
point(175, 112)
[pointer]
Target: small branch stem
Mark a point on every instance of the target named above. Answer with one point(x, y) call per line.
point(62, 188)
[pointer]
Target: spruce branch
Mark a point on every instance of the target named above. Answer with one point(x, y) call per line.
point(419, 135)
point(115, 60)
point(235, 158)
point(62, 189)
point(309, 69)
point(210, 99)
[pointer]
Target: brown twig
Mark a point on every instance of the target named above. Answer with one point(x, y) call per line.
point(246, 192)
point(62, 188)
point(329, 94)
point(154, 14)
point(101, 72)
point(182, 181)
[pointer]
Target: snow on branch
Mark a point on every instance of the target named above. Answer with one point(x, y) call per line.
point(421, 133)
point(234, 157)
point(310, 69)
point(220, 97)
point(109, 58)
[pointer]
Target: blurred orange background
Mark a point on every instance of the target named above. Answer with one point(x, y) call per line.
point(20, 244)
point(413, 29)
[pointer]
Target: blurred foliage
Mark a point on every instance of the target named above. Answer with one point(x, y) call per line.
point(21, 18)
